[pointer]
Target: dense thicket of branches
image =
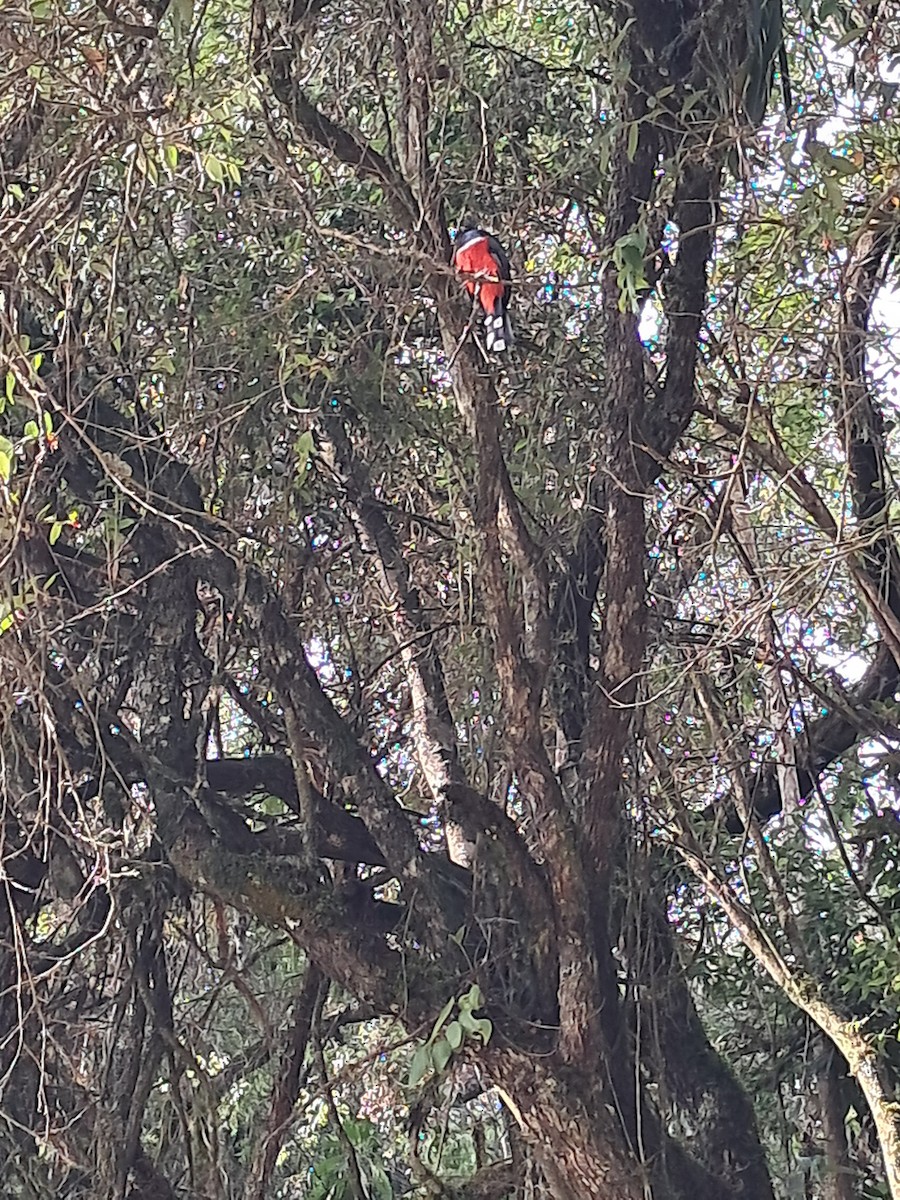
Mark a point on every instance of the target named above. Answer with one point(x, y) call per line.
point(423, 773)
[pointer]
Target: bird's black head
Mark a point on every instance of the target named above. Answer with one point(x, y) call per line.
point(468, 224)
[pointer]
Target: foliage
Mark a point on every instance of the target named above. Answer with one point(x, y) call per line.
point(425, 774)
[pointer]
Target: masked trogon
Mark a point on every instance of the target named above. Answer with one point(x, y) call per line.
point(478, 253)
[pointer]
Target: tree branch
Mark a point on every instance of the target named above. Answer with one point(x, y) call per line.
point(433, 734)
point(277, 55)
point(285, 1087)
point(338, 834)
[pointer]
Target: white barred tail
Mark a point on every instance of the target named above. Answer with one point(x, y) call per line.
point(498, 334)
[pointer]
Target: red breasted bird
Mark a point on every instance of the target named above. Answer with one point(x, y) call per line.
point(479, 254)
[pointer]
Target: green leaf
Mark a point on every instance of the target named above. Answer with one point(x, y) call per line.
point(170, 156)
point(835, 195)
point(213, 168)
point(305, 446)
point(467, 1021)
point(479, 1027)
point(55, 530)
point(472, 999)
point(421, 1061)
point(358, 1132)
point(5, 466)
point(442, 1017)
point(632, 256)
point(844, 166)
point(454, 1034)
point(48, 423)
point(31, 430)
point(10, 386)
point(379, 1184)
point(441, 1053)
point(634, 133)
point(484, 1029)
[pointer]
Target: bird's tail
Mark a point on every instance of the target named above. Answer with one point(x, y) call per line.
point(498, 334)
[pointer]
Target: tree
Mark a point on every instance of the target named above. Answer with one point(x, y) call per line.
point(375, 706)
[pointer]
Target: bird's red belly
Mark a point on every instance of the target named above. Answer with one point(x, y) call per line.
point(476, 259)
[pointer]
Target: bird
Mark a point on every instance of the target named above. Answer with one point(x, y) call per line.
point(479, 255)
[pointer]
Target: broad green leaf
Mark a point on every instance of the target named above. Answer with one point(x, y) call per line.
point(441, 1053)
point(421, 1061)
point(467, 1021)
point(484, 1028)
point(213, 168)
